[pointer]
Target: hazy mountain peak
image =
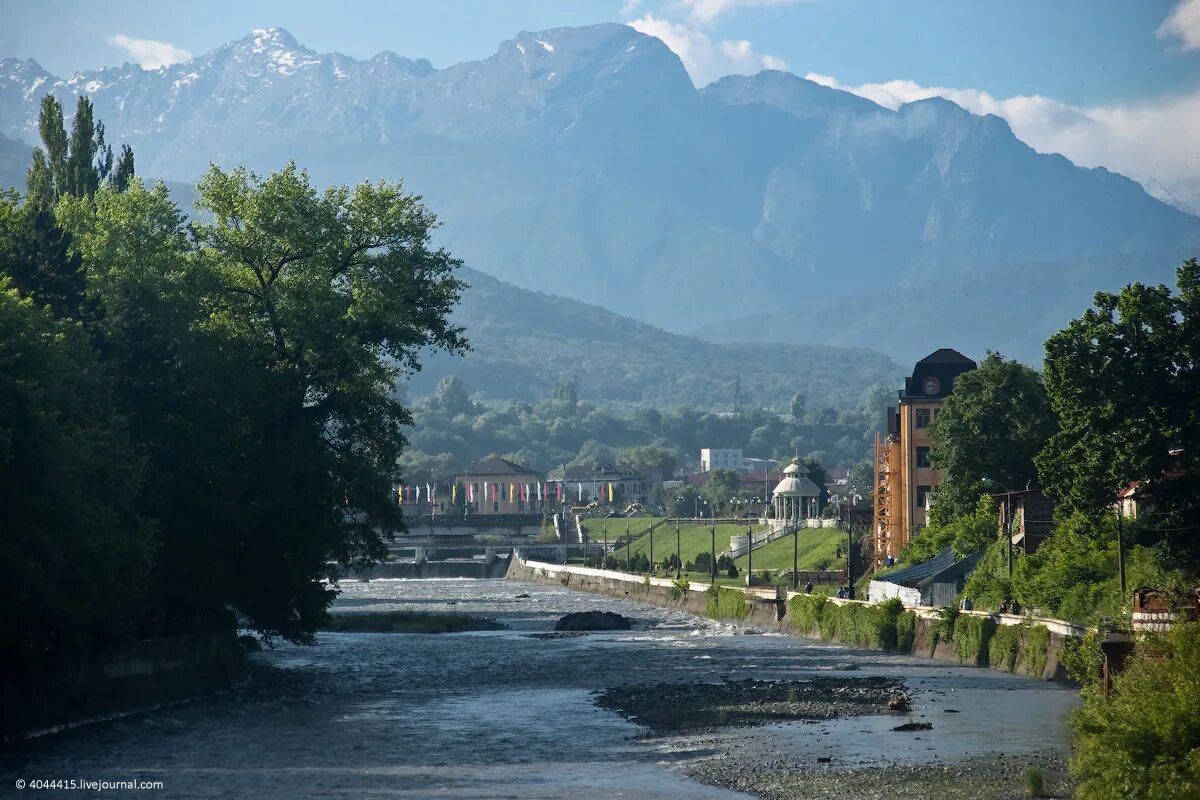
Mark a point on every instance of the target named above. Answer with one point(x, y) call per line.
point(786, 92)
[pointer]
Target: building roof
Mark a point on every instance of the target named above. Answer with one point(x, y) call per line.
point(933, 376)
point(946, 355)
point(497, 466)
point(913, 576)
point(600, 472)
point(942, 568)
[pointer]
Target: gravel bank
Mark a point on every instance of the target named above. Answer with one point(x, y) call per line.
point(696, 707)
point(980, 778)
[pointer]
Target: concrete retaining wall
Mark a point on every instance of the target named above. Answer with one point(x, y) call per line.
point(138, 677)
point(767, 613)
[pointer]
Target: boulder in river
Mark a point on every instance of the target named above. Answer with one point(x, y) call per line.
point(249, 644)
point(914, 726)
point(593, 621)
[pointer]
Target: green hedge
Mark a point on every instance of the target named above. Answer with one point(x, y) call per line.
point(1002, 649)
point(805, 611)
point(972, 637)
point(885, 626)
point(1030, 642)
point(721, 603)
point(1037, 643)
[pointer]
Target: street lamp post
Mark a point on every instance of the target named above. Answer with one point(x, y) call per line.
point(749, 554)
point(712, 554)
point(628, 558)
point(651, 567)
point(678, 551)
point(605, 557)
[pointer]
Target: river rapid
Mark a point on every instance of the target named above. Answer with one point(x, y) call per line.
point(498, 714)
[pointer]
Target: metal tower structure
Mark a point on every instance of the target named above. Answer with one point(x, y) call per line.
point(887, 520)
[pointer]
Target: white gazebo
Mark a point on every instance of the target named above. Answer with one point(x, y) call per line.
point(796, 497)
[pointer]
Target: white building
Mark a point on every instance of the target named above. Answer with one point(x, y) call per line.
point(721, 458)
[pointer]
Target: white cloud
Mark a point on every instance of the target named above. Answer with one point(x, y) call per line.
point(148, 53)
point(1152, 142)
point(705, 59)
point(1184, 23)
point(708, 10)
point(630, 7)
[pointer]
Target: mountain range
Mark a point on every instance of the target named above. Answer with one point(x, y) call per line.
point(583, 162)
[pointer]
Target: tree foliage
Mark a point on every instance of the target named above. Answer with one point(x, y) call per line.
point(210, 419)
point(1141, 740)
point(1124, 380)
point(988, 432)
point(75, 552)
point(966, 534)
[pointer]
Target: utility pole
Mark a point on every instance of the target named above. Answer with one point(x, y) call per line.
point(1120, 549)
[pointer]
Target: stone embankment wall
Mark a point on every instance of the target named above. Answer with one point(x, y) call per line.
point(1030, 646)
point(138, 677)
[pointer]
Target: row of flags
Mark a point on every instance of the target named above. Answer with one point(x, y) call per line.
point(495, 492)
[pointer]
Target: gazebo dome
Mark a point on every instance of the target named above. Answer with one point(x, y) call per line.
point(795, 497)
point(795, 483)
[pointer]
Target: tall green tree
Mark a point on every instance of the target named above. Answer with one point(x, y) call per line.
point(123, 173)
point(75, 552)
point(89, 159)
point(989, 430)
point(797, 408)
point(1124, 380)
point(338, 292)
point(722, 486)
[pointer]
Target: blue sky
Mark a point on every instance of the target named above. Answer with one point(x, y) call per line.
point(1107, 82)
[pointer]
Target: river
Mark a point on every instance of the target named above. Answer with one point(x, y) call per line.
point(502, 715)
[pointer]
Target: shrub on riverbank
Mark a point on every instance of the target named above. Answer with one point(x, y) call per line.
point(884, 626)
point(723, 603)
point(972, 636)
point(1142, 740)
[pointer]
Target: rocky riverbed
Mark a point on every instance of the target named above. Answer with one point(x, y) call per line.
point(993, 777)
point(514, 713)
point(694, 707)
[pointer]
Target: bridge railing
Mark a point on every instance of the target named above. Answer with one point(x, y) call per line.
point(417, 521)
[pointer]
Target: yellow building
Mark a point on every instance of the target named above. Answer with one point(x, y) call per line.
point(904, 478)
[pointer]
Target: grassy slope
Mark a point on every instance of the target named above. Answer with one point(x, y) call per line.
point(693, 538)
point(816, 546)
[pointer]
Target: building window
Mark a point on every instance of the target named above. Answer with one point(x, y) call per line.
point(924, 495)
point(932, 386)
point(922, 417)
point(922, 457)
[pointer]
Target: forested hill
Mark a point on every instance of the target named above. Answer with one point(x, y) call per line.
point(524, 342)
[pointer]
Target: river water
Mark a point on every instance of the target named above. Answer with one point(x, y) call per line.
point(502, 715)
